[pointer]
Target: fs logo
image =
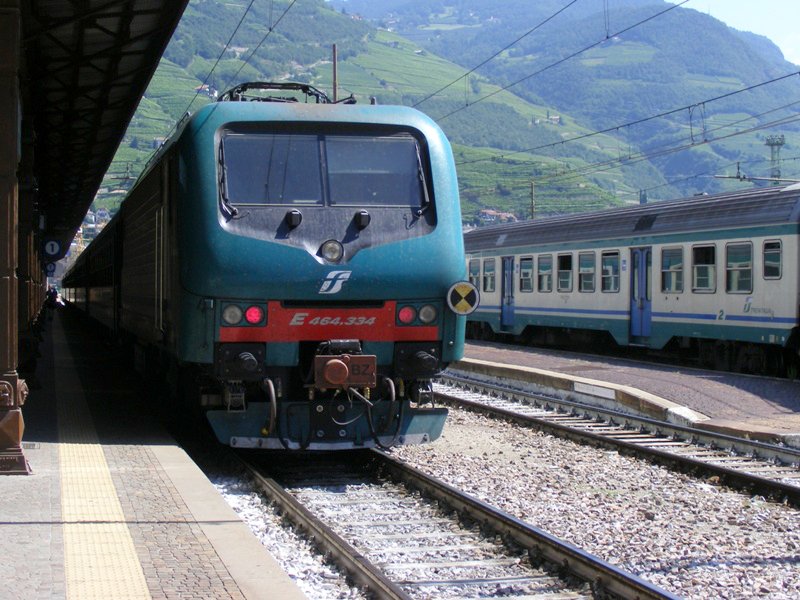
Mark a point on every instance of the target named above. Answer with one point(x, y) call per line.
point(334, 281)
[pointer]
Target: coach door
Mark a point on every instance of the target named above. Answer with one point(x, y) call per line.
point(507, 293)
point(641, 291)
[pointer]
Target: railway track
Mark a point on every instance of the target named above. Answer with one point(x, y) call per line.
point(400, 533)
point(765, 469)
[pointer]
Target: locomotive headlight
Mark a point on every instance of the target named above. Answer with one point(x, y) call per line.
point(428, 314)
point(332, 251)
point(232, 314)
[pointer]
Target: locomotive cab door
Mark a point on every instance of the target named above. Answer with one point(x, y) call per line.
point(507, 294)
point(641, 293)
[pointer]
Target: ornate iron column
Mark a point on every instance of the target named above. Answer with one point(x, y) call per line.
point(13, 390)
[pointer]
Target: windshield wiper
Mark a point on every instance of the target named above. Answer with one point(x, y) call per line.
point(225, 206)
point(421, 172)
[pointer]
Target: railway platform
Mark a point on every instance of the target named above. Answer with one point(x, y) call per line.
point(758, 408)
point(114, 508)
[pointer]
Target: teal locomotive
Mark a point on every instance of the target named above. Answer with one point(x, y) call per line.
point(295, 268)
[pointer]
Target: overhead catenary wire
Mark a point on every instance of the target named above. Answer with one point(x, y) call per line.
point(600, 167)
point(496, 54)
point(563, 60)
point(263, 39)
point(219, 58)
point(614, 128)
point(639, 157)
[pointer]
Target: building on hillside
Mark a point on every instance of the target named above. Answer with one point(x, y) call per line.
point(488, 215)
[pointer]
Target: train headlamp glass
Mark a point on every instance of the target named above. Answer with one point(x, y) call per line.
point(231, 314)
point(332, 251)
point(427, 314)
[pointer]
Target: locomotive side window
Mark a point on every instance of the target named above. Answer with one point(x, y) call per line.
point(610, 272)
point(672, 270)
point(565, 272)
point(586, 268)
point(475, 272)
point(488, 275)
point(772, 260)
point(739, 269)
point(704, 269)
point(526, 274)
point(545, 273)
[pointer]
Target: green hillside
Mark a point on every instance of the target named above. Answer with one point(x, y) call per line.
point(680, 58)
point(503, 141)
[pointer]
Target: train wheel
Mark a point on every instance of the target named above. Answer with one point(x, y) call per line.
point(722, 356)
point(774, 365)
point(792, 368)
point(753, 359)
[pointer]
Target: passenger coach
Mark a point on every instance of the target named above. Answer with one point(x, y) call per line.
point(715, 276)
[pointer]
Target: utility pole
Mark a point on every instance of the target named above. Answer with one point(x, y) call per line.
point(335, 74)
point(775, 142)
point(533, 201)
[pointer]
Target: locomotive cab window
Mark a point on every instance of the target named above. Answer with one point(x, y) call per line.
point(545, 279)
point(704, 269)
point(672, 270)
point(323, 169)
point(565, 272)
point(610, 272)
point(526, 274)
point(772, 260)
point(488, 275)
point(739, 269)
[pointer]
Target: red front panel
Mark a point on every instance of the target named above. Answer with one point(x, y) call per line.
point(313, 324)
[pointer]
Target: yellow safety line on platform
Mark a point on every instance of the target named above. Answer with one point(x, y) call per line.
point(99, 555)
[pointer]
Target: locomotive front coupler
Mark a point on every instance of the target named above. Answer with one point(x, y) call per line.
point(339, 364)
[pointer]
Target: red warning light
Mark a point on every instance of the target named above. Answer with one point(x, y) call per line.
point(254, 314)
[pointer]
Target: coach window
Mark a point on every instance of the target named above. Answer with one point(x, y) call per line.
point(526, 274)
point(610, 271)
point(565, 272)
point(739, 269)
point(545, 278)
point(772, 260)
point(475, 272)
point(586, 268)
point(488, 275)
point(704, 269)
point(672, 270)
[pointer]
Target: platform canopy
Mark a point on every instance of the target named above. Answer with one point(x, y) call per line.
point(86, 65)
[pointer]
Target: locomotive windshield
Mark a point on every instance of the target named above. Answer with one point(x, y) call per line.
point(322, 170)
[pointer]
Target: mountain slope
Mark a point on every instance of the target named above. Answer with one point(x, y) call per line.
point(675, 60)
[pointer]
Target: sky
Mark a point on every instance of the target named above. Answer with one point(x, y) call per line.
point(776, 19)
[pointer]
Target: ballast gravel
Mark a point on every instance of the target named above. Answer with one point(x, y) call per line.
point(689, 536)
point(298, 557)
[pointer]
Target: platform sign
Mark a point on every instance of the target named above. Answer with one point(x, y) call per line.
point(50, 269)
point(52, 247)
